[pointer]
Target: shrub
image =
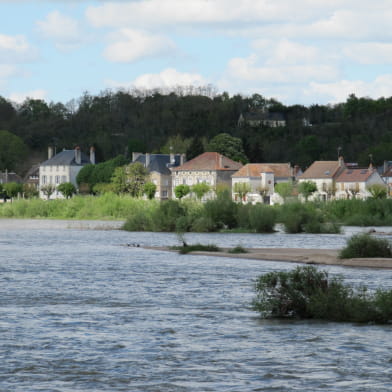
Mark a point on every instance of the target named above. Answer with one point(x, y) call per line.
point(222, 211)
point(166, 216)
point(238, 249)
point(363, 245)
point(306, 292)
point(196, 248)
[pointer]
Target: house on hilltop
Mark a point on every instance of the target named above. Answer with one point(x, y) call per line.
point(159, 166)
point(63, 167)
point(210, 168)
point(264, 117)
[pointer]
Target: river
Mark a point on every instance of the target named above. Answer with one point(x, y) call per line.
point(82, 311)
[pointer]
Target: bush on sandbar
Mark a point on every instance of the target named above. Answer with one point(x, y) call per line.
point(307, 293)
point(364, 245)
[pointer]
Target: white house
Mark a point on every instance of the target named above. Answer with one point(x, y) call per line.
point(261, 179)
point(353, 183)
point(63, 167)
point(323, 174)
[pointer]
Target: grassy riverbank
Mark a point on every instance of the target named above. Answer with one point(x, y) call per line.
point(105, 207)
point(221, 214)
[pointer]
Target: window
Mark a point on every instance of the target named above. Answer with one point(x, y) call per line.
point(57, 179)
point(43, 180)
point(164, 194)
point(63, 178)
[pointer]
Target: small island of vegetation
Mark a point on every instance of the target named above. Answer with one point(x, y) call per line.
point(308, 293)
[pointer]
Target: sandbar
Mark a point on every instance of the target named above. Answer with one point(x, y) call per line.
point(295, 255)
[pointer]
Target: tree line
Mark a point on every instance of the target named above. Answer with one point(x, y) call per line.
point(120, 122)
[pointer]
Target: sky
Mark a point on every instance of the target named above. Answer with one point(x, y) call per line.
point(296, 51)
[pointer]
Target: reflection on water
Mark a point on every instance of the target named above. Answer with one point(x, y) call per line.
point(82, 312)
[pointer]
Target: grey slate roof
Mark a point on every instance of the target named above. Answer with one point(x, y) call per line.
point(66, 158)
point(159, 162)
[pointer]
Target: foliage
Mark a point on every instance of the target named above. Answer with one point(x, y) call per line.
point(378, 191)
point(12, 150)
point(130, 179)
point(167, 215)
point(307, 188)
point(102, 187)
point(196, 248)
point(284, 189)
point(48, 190)
point(308, 293)
point(29, 191)
point(222, 211)
point(364, 245)
point(12, 189)
point(67, 189)
point(257, 218)
point(238, 250)
point(149, 190)
point(99, 173)
point(200, 189)
point(181, 190)
point(307, 217)
point(241, 189)
point(195, 148)
point(228, 146)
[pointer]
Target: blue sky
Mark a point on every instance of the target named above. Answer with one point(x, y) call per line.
point(302, 51)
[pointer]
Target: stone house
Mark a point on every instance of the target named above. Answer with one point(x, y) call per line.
point(211, 168)
point(63, 167)
point(159, 167)
point(262, 118)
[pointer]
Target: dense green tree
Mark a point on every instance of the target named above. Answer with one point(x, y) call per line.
point(181, 190)
point(307, 188)
point(149, 190)
point(12, 150)
point(200, 189)
point(284, 189)
point(228, 146)
point(12, 189)
point(67, 189)
point(195, 148)
point(130, 179)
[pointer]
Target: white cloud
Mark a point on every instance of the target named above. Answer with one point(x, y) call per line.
point(339, 91)
point(169, 12)
point(21, 96)
point(15, 49)
point(7, 71)
point(65, 31)
point(370, 52)
point(130, 45)
point(167, 79)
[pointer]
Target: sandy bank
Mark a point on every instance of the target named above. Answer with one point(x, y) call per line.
point(306, 256)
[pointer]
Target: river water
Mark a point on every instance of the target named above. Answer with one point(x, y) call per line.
point(81, 311)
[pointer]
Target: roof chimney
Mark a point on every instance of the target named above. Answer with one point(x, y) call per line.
point(182, 159)
point(50, 152)
point(92, 155)
point(78, 156)
point(148, 159)
point(135, 155)
point(341, 161)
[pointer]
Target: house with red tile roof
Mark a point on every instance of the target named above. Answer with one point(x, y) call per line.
point(262, 178)
point(324, 175)
point(353, 183)
point(211, 168)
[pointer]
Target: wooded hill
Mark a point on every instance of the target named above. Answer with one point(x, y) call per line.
point(121, 122)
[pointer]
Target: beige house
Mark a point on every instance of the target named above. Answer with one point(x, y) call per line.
point(353, 183)
point(324, 175)
point(211, 168)
point(159, 167)
point(261, 179)
point(263, 117)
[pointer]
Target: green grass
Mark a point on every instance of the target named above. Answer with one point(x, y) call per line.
point(196, 248)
